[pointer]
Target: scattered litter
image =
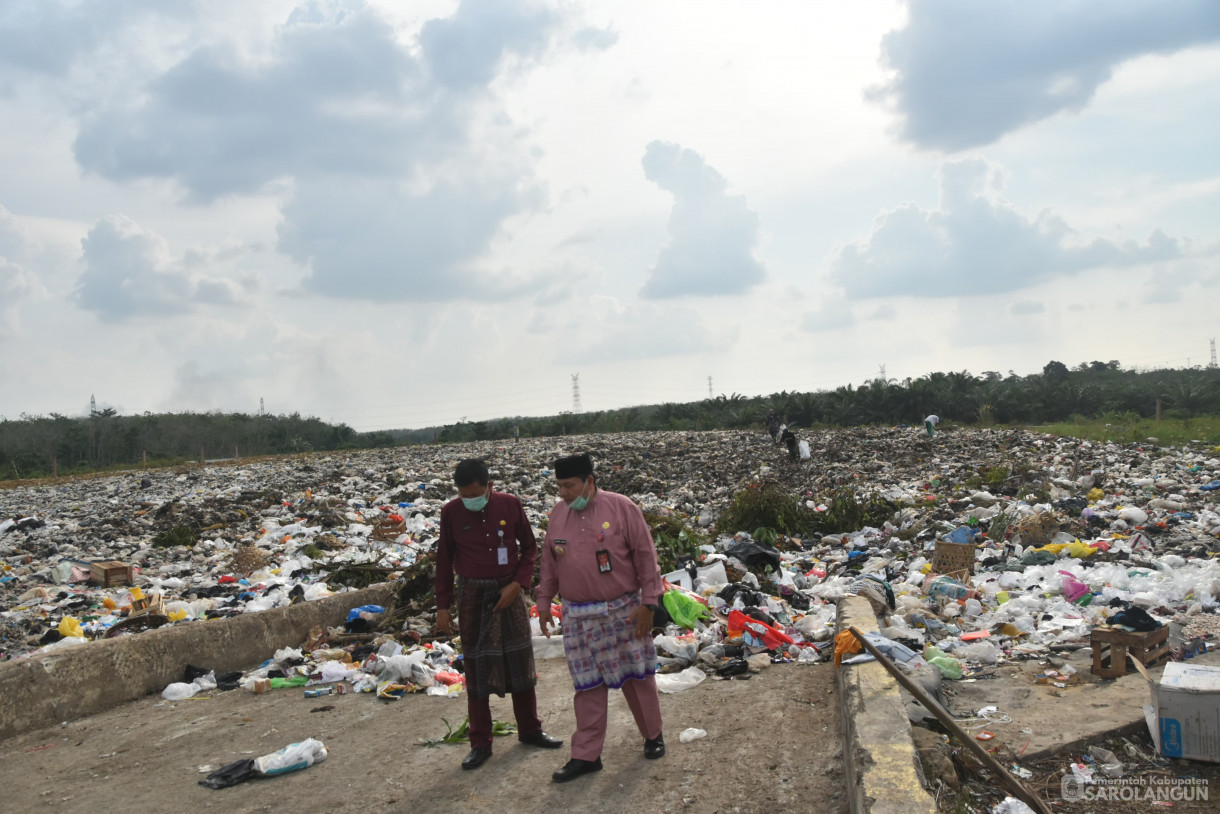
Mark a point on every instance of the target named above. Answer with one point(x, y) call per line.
point(691, 734)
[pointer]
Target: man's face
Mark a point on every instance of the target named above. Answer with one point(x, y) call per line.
point(474, 489)
point(571, 488)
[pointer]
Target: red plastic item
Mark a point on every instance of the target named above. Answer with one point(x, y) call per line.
point(226, 580)
point(772, 637)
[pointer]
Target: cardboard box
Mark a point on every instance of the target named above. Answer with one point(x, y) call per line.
point(1184, 716)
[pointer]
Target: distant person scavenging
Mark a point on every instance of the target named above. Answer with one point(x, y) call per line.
point(930, 423)
point(789, 440)
point(773, 425)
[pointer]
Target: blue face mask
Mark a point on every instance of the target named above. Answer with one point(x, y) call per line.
point(476, 504)
point(579, 503)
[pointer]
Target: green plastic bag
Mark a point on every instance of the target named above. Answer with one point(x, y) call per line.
point(295, 681)
point(684, 610)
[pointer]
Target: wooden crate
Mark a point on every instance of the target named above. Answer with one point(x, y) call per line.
point(952, 558)
point(1113, 646)
point(110, 572)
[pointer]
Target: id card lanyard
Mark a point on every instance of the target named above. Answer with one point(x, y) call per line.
point(502, 551)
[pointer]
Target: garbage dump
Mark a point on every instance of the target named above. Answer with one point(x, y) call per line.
point(975, 546)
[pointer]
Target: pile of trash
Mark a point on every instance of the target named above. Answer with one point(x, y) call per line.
point(1059, 536)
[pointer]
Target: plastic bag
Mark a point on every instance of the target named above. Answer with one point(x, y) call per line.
point(179, 691)
point(1011, 805)
point(677, 682)
point(68, 626)
point(239, 771)
point(291, 758)
point(685, 610)
point(691, 734)
point(1107, 761)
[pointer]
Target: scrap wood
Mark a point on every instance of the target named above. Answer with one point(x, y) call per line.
point(1012, 783)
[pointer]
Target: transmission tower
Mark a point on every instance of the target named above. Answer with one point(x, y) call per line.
point(92, 404)
point(261, 411)
point(576, 392)
point(1213, 361)
point(709, 387)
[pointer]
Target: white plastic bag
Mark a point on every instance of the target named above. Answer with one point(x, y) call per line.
point(179, 691)
point(691, 734)
point(291, 758)
point(677, 682)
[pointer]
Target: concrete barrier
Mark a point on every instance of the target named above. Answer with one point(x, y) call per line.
point(882, 766)
point(47, 689)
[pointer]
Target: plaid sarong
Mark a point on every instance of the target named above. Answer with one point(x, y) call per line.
point(599, 642)
point(498, 648)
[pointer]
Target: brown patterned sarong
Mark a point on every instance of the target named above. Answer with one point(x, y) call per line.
point(498, 646)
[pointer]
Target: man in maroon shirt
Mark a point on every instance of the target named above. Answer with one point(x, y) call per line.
point(487, 540)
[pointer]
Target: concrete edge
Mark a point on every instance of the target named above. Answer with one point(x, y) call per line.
point(64, 685)
point(883, 772)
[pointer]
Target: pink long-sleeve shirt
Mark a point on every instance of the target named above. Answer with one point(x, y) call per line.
point(612, 524)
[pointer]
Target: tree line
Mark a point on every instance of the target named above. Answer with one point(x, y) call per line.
point(34, 446)
point(1058, 393)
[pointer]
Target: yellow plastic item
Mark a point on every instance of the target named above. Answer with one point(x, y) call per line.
point(177, 616)
point(69, 626)
point(927, 568)
point(1079, 550)
point(1053, 548)
point(1001, 597)
point(136, 593)
point(1095, 494)
point(108, 603)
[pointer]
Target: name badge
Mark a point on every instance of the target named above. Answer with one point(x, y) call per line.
point(603, 562)
point(502, 555)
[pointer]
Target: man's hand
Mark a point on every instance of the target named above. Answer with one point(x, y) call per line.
point(508, 595)
point(544, 619)
point(643, 621)
point(444, 622)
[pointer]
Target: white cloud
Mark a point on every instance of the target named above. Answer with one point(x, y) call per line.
point(967, 73)
point(130, 272)
point(834, 313)
point(976, 243)
point(712, 235)
point(1025, 308)
point(616, 331)
point(400, 163)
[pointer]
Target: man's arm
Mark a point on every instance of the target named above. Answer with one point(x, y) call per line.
point(528, 544)
point(548, 579)
point(444, 573)
point(643, 555)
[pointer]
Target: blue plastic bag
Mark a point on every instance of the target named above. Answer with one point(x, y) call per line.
point(354, 613)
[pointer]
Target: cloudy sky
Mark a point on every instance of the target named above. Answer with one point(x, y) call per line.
point(398, 214)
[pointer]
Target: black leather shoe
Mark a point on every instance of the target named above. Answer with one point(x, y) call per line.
point(654, 747)
point(541, 740)
point(476, 758)
point(574, 768)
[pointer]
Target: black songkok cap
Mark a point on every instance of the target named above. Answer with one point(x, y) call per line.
point(574, 466)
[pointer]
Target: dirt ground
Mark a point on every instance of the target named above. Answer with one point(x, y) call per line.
point(773, 745)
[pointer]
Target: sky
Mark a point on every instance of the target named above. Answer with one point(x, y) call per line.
point(393, 214)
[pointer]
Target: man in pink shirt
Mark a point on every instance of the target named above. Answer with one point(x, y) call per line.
point(487, 539)
point(599, 556)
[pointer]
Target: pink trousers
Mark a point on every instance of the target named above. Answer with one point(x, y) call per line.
point(643, 700)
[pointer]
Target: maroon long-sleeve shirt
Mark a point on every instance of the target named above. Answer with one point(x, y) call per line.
point(470, 543)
